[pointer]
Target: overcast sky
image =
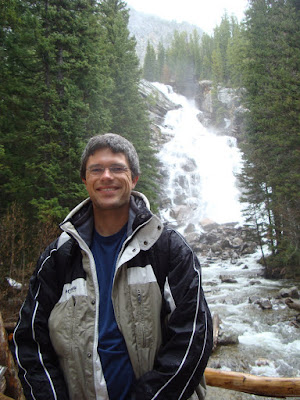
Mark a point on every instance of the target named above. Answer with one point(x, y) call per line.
point(204, 13)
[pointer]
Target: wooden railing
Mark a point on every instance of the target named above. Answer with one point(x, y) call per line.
point(259, 385)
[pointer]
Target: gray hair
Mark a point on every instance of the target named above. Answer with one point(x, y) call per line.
point(117, 144)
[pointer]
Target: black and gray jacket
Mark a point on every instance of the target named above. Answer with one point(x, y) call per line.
point(158, 303)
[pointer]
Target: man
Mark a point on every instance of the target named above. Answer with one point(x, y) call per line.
point(115, 308)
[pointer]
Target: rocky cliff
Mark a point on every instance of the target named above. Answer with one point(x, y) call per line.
point(222, 109)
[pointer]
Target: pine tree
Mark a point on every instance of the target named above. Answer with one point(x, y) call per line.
point(128, 110)
point(150, 71)
point(272, 97)
point(161, 63)
point(237, 56)
point(180, 63)
point(57, 100)
point(206, 50)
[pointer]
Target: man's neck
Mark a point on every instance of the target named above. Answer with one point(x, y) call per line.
point(109, 222)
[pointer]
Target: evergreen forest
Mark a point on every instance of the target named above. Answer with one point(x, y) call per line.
point(69, 70)
point(262, 56)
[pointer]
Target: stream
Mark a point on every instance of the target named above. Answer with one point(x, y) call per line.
point(199, 168)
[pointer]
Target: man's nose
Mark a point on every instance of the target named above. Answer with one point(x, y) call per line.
point(107, 174)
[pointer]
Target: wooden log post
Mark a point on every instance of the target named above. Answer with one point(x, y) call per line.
point(216, 326)
point(259, 385)
point(13, 385)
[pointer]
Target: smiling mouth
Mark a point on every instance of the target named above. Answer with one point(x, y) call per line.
point(107, 189)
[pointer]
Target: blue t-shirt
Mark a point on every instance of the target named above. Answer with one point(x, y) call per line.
point(112, 349)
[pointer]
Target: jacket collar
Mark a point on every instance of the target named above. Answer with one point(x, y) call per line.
point(81, 217)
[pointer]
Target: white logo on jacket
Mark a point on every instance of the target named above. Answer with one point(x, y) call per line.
point(75, 288)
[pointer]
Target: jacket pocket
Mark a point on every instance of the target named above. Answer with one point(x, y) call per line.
point(62, 325)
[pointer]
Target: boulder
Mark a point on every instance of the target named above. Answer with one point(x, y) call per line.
point(190, 165)
point(264, 304)
point(227, 338)
point(292, 303)
point(253, 299)
point(227, 279)
point(208, 224)
point(254, 282)
point(291, 292)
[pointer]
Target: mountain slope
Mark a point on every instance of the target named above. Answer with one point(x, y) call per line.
point(150, 27)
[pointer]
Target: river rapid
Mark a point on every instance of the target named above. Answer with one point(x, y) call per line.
point(200, 173)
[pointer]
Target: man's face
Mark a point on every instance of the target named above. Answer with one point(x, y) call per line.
point(109, 190)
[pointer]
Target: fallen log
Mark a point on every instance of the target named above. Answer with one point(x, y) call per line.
point(13, 385)
point(259, 385)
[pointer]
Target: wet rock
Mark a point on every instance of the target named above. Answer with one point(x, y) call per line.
point(248, 248)
point(292, 303)
point(262, 362)
point(237, 242)
point(225, 255)
point(180, 213)
point(264, 304)
point(230, 101)
point(234, 258)
point(208, 224)
point(216, 248)
point(157, 102)
point(253, 299)
point(254, 282)
point(227, 279)
point(216, 364)
point(294, 293)
point(291, 292)
point(227, 338)
point(190, 229)
point(190, 165)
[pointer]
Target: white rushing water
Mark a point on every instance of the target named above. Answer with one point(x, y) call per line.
point(268, 342)
point(200, 168)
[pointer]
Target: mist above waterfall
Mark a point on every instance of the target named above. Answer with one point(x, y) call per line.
point(199, 168)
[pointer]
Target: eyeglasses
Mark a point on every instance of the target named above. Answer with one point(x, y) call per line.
point(98, 170)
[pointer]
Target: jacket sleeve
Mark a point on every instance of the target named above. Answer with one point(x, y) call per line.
point(39, 369)
point(187, 335)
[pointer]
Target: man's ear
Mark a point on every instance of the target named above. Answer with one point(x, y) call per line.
point(134, 181)
point(84, 181)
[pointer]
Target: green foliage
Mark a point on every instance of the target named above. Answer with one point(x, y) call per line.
point(219, 109)
point(69, 71)
point(150, 69)
point(191, 58)
point(271, 78)
point(54, 96)
point(128, 109)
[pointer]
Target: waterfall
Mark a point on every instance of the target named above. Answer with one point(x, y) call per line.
point(199, 169)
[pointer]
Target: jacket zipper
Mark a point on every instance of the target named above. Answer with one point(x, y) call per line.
point(141, 316)
point(73, 325)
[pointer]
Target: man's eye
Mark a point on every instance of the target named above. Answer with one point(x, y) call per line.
point(117, 170)
point(96, 170)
